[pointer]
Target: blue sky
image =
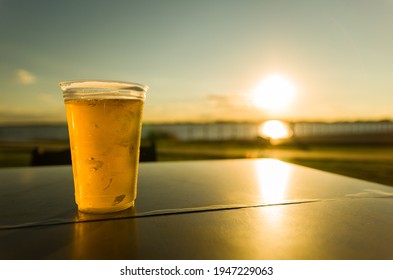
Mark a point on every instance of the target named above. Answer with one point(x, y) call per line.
point(201, 59)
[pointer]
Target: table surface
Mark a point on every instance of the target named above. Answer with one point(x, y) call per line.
point(220, 209)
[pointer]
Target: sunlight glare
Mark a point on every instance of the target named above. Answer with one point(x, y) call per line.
point(274, 93)
point(273, 179)
point(274, 129)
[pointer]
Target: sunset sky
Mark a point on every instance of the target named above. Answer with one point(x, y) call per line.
point(203, 60)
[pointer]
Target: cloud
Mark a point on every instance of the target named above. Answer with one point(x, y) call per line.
point(25, 77)
point(233, 106)
point(219, 101)
point(228, 101)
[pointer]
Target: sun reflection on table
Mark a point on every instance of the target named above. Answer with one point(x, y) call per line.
point(273, 179)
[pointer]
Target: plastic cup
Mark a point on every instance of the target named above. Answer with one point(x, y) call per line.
point(104, 124)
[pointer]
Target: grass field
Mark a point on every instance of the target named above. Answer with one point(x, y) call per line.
point(372, 163)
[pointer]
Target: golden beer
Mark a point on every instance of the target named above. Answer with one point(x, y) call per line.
point(104, 137)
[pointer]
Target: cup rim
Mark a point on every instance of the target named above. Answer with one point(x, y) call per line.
point(102, 89)
point(74, 85)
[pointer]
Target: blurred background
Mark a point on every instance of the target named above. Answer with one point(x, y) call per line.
point(308, 81)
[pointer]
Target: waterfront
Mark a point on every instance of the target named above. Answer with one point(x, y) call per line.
point(215, 131)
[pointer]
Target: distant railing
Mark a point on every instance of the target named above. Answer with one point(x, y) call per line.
point(307, 129)
point(206, 131)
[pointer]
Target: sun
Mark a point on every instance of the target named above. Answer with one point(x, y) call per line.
point(273, 94)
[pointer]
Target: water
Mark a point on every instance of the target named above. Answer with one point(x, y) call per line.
point(204, 131)
point(33, 132)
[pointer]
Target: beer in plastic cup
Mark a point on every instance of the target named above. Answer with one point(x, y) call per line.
point(104, 123)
